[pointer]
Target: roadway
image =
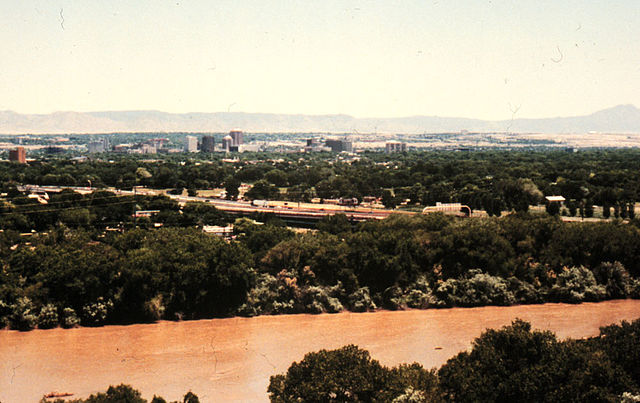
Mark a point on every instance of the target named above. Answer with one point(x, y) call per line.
point(283, 209)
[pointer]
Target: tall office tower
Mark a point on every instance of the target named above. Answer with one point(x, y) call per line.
point(191, 145)
point(18, 155)
point(237, 136)
point(208, 144)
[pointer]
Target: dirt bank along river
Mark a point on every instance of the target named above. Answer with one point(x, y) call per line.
point(232, 359)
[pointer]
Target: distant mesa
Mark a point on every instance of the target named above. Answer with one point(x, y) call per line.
point(619, 119)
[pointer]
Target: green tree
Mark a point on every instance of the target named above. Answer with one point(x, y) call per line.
point(345, 374)
point(388, 199)
point(334, 224)
point(276, 177)
point(231, 185)
point(516, 364)
point(262, 190)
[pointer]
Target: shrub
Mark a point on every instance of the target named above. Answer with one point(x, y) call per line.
point(23, 316)
point(392, 298)
point(417, 299)
point(70, 319)
point(475, 290)
point(524, 292)
point(154, 308)
point(48, 317)
point(317, 300)
point(419, 295)
point(270, 295)
point(577, 284)
point(96, 313)
point(360, 300)
point(5, 313)
point(615, 278)
point(634, 289)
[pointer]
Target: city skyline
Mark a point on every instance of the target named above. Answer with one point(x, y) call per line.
point(487, 60)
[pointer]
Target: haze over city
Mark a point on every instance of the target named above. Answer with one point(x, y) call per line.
point(491, 60)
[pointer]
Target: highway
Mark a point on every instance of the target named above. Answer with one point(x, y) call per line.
point(283, 209)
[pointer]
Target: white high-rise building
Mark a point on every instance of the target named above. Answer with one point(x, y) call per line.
point(191, 145)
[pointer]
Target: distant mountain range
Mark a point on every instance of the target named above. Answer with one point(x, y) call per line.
point(619, 119)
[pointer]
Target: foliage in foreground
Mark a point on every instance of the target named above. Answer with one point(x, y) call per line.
point(123, 394)
point(510, 364)
point(350, 374)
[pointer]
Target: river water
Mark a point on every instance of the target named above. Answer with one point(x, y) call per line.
point(232, 359)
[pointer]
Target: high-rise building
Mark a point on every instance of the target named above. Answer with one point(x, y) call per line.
point(339, 145)
point(208, 144)
point(99, 146)
point(227, 143)
point(18, 155)
point(237, 136)
point(395, 147)
point(191, 145)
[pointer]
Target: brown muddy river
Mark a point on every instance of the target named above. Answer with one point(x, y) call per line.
point(232, 359)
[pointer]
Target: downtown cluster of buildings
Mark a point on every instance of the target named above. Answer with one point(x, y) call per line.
point(344, 145)
point(232, 142)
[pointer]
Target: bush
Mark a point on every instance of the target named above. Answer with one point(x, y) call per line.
point(96, 313)
point(577, 284)
point(317, 300)
point(392, 298)
point(23, 316)
point(615, 278)
point(70, 319)
point(476, 290)
point(418, 299)
point(484, 289)
point(524, 292)
point(154, 308)
point(634, 289)
point(419, 294)
point(48, 317)
point(5, 313)
point(360, 300)
point(270, 295)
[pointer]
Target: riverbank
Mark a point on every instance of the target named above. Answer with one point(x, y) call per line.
point(232, 359)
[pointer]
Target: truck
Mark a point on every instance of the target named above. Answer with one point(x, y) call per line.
point(260, 203)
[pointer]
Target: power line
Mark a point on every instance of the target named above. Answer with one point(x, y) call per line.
point(81, 200)
point(63, 208)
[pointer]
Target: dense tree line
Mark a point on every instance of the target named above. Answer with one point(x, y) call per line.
point(88, 276)
point(506, 365)
point(69, 277)
point(494, 181)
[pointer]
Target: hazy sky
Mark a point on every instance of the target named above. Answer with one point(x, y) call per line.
point(471, 58)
